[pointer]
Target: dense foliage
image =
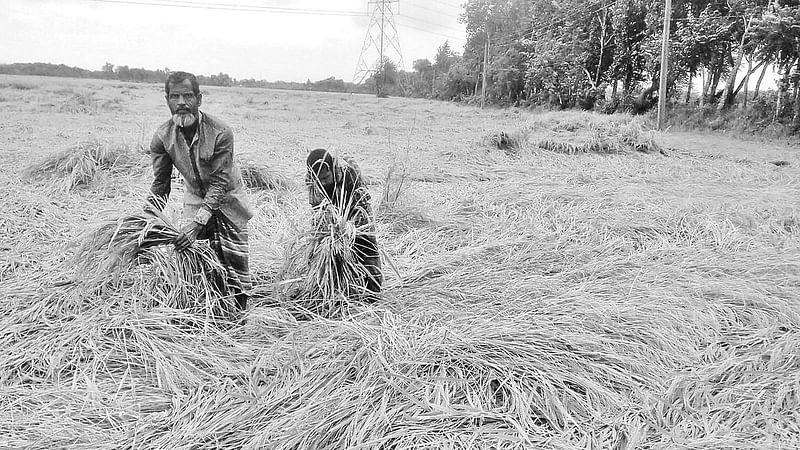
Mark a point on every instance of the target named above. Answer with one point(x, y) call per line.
point(575, 53)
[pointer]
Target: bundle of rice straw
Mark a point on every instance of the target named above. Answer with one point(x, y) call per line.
point(258, 177)
point(136, 252)
point(81, 163)
point(325, 258)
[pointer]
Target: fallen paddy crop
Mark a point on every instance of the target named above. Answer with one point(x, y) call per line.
point(624, 300)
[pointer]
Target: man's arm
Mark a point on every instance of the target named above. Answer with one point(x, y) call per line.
point(162, 174)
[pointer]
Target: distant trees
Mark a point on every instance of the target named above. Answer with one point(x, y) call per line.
point(600, 54)
point(574, 53)
point(125, 73)
point(108, 72)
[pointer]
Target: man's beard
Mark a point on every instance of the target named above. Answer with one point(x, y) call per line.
point(184, 119)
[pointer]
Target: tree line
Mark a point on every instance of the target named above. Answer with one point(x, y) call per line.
point(605, 54)
point(597, 54)
point(139, 75)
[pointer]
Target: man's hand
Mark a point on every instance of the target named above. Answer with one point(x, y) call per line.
point(187, 236)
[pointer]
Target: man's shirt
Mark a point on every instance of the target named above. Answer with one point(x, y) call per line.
point(212, 180)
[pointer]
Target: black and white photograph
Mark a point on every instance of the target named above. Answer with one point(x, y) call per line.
point(400, 224)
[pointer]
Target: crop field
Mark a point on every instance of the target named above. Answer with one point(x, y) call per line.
point(554, 280)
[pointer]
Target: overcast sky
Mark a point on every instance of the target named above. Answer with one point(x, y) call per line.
point(261, 43)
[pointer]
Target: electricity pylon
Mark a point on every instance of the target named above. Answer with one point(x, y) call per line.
point(381, 41)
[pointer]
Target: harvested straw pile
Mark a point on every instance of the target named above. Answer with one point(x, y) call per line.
point(604, 138)
point(510, 143)
point(81, 164)
point(324, 257)
point(138, 249)
point(259, 177)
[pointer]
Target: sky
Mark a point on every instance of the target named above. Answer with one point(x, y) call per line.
point(202, 36)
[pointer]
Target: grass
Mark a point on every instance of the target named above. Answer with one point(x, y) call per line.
point(601, 137)
point(80, 164)
point(510, 143)
point(19, 86)
point(259, 177)
point(80, 103)
point(534, 299)
point(136, 250)
point(324, 256)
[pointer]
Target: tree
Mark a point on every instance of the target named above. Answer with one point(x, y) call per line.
point(108, 71)
point(777, 33)
point(422, 66)
point(444, 58)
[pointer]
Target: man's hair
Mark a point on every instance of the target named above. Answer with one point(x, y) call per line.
point(317, 158)
point(179, 77)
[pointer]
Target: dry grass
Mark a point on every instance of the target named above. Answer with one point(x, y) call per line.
point(603, 138)
point(259, 177)
point(80, 164)
point(19, 86)
point(510, 143)
point(540, 300)
point(137, 250)
point(324, 258)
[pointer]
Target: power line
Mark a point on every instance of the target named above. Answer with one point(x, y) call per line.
point(234, 7)
point(439, 25)
point(431, 9)
point(459, 6)
point(462, 39)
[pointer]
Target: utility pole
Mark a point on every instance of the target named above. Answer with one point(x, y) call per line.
point(381, 41)
point(485, 61)
point(662, 86)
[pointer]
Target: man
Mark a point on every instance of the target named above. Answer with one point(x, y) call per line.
point(200, 146)
point(339, 182)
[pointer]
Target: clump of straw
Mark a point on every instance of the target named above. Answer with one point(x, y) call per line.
point(605, 138)
point(259, 177)
point(510, 143)
point(325, 256)
point(80, 103)
point(138, 249)
point(80, 164)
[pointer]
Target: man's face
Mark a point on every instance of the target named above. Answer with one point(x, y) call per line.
point(323, 173)
point(183, 103)
point(323, 181)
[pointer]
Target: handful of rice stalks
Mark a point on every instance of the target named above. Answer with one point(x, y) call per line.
point(327, 254)
point(82, 163)
point(136, 251)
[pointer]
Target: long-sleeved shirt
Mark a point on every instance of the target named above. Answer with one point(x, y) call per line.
point(211, 178)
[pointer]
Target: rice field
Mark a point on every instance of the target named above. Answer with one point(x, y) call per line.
point(553, 280)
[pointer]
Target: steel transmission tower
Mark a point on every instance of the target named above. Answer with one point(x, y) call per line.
point(381, 43)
